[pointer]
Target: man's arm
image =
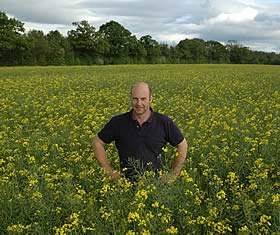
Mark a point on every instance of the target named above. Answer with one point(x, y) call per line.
point(99, 152)
point(181, 156)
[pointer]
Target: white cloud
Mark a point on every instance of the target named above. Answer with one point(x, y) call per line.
point(171, 38)
point(246, 14)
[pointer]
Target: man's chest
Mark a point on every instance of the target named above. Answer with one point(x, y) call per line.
point(151, 135)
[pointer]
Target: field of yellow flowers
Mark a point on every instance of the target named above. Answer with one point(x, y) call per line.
point(50, 182)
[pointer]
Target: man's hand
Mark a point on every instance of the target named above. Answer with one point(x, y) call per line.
point(115, 175)
point(167, 177)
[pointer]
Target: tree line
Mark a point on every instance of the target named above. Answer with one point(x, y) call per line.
point(113, 44)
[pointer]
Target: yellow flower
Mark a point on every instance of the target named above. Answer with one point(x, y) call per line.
point(132, 217)
point(36, 195)
point(155, 204)
point(130, 232)
point(105, 213)
point(149, 215)
point(74, 218)
point(18, 228)
point(145, 232)
point(213, 212)
point(252, 186)
point(261, 201)
point(244, 229)
point(232, 177)
point(201, 220)
point(142, 194)
point(105, 189)
point(125, 184)
point(276, 199)
point(142, 222)
point(32, 182)
point(88, 229)
point(172, 230)
point(141, 205)
point(221, 195)
point(165, 218)
point(264, 219)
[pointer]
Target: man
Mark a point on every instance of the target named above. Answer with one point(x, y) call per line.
point(140, 136)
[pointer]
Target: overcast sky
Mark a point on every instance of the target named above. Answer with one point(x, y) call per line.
point(253, 23)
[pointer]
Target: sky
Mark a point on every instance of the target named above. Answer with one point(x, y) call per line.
point(254, 24)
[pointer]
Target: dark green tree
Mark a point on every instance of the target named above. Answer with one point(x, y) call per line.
point(136, 51)
point(88, 45)
point(216, 52)
point(123, 45)
point(166, 53)
point(272, 58)
point(152, 48)
point(38, 47)
point(83, 38)
point(12, 42)
point(192, 51)
point(238, 54)
point(56, 48)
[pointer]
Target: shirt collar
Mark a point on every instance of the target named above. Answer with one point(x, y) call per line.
point(150, 118)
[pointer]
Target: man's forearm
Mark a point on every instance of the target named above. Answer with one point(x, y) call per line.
point(180, 158)
point(100, 155)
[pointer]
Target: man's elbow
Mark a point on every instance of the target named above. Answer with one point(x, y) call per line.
point(183, 144)
point(97, 143)
point(94, 142)
point(182, 148)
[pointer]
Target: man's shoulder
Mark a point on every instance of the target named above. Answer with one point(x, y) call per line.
point(161, 116)
point(121, 116)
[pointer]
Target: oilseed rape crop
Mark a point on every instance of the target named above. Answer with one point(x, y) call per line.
point(50, 182)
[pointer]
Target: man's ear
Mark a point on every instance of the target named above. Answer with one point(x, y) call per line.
point(150, 98)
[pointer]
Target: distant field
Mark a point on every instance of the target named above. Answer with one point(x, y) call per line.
point(50, 182)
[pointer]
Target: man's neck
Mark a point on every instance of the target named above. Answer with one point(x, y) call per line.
point(142, 118)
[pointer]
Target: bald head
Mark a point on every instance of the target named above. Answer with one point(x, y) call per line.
point(143, 87)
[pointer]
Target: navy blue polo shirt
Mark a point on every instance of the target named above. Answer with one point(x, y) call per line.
point(141, 147)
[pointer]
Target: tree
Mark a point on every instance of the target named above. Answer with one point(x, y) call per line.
point(12, 43)
point(86, 42)
point(38, 46)
point(84, 37)
point(123, 45)
point(152, 48)
point(216, 52)
point(56, 48)
point(238, 54)
point(136, 51)
point(192, 51)
point(166, 53)
point(273, 58)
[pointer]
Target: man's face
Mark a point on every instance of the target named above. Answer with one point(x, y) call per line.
point(140, 99)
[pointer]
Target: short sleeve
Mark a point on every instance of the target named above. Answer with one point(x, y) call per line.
point(175, 136)
point(108, 133)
